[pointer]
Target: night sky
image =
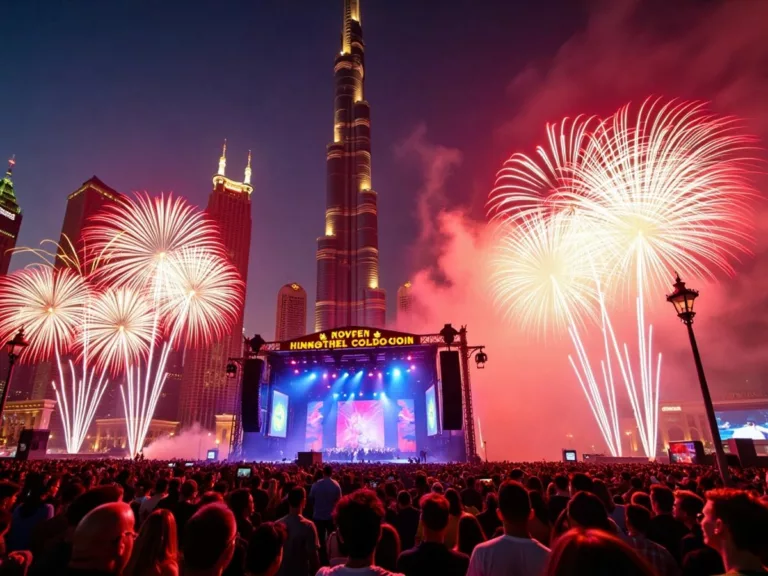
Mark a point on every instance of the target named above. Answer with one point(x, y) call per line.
point(142, 95)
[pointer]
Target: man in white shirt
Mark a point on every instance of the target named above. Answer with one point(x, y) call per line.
point(515, 553)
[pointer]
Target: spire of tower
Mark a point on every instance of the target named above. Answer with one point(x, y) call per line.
point(11, 164)
point(351, 14)
point(223, 159)
point(248, 170)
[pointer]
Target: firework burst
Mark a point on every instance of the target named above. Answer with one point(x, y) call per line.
point(49, 304)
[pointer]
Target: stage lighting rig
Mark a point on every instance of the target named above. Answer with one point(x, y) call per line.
point(256, 343)
point(449, 334)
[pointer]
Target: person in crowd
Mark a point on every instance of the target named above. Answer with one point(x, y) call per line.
point(456, 512)
point(155, 549)
point(388, 549)
point(209, 541)
point(539, 525)
point(698, 559)
point(359, 517)
point(559, 500)
point(186, 506)
point(470, 496)
point(489, 517)
point(260, 496)
point(103, 541)
point(595, 553)
point(265, 550)
point(47, 533)
point(9, 491)
point(29, 514)
point(616, 512)
point(515, 553)
point(642, 499)
point(148, 506)
point(470, 535)
point(325, 493)
point(664, 529)
point(433, 555)
point(580, 482)
point(637, 521)
point(172, 498)
point(55, 559)
point(585, 510)
point(406, 520)
point(302, 544)
point(240, 501)
point(735, 523)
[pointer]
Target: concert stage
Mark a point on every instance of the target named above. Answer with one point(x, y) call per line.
point(357, 394)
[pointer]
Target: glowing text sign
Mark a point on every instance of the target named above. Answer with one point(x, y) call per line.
point(350, 338)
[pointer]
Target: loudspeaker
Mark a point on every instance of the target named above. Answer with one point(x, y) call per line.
point(307, 459)
point(453, 416)
point(32, 444)
point(744, 448)
point(250, 396)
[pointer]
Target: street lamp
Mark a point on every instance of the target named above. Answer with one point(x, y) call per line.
point(682, 299)
point(14, 348)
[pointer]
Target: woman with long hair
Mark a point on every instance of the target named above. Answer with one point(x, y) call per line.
point(596, 553)
point(155, 550)
point(388, 548)
point(470, 534)
point(456, 511)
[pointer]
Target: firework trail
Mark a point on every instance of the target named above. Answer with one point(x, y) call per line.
point(171, 253)
point(665, 189)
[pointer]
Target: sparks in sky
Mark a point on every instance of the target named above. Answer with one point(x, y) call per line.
point(48, 303)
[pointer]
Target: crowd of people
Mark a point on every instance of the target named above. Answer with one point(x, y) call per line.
point(360, 454)
point(135, 518)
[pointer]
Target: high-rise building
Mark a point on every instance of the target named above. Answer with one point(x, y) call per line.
point(82, 204)
point(348, 291)
point(291, 319)
point(10, 219)
point(404, 303)
point(205, 389)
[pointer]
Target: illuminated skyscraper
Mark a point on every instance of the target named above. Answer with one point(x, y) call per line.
point(205, 389)
point(10, 219)
point(404, 303)
point(348, 291)
point(291, 319)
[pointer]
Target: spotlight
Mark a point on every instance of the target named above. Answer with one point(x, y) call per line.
point(449, 334)
point(370, 374)
point(293, 362)
point(375, 394)
point(408, 370)
point(383, 396)
point(329, 386)
point(481, 358)
point(312, 376)
point(335, 395)
point(409, 358)
point(334, 375)
point(379, 375)
point(413, 366)
point(345, 395)
point(396, 372)
point(296, 371)
point(231, 370)
point(325, 375)
point(360, 394)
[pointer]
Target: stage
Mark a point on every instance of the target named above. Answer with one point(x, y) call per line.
point(353, 394)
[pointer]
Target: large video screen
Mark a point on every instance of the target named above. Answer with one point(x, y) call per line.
point(314, 431)
point(406, 426)
point(278, 422)
point(431, 411)
point(752, 424)
point(360, 424)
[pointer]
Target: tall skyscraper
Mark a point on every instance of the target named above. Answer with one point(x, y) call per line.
point(82, 204)
point(291, 319)
point(205, 389)
point(10, 219)
point(348, 291)
point(404, 303)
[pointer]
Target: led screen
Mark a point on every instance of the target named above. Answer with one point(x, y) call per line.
point(431, 411)
point(278, 423)
point(406, 426)
point(682, 452)
point(314, 431)
point(360, 424)
point(752, 424)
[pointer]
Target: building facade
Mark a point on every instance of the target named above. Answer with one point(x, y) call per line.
point(404, 304)
point(23, 414)
point(82, 204)
point(291, 321)
point(10, 218)
point(348, 290)
point(205, 389)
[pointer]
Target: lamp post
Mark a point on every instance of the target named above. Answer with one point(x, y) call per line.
point(14, 348)
point(682, 299)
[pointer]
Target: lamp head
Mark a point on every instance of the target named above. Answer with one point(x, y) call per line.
point(449, 334)
point(17, 345)
point(481, 358)
point(683, 298)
